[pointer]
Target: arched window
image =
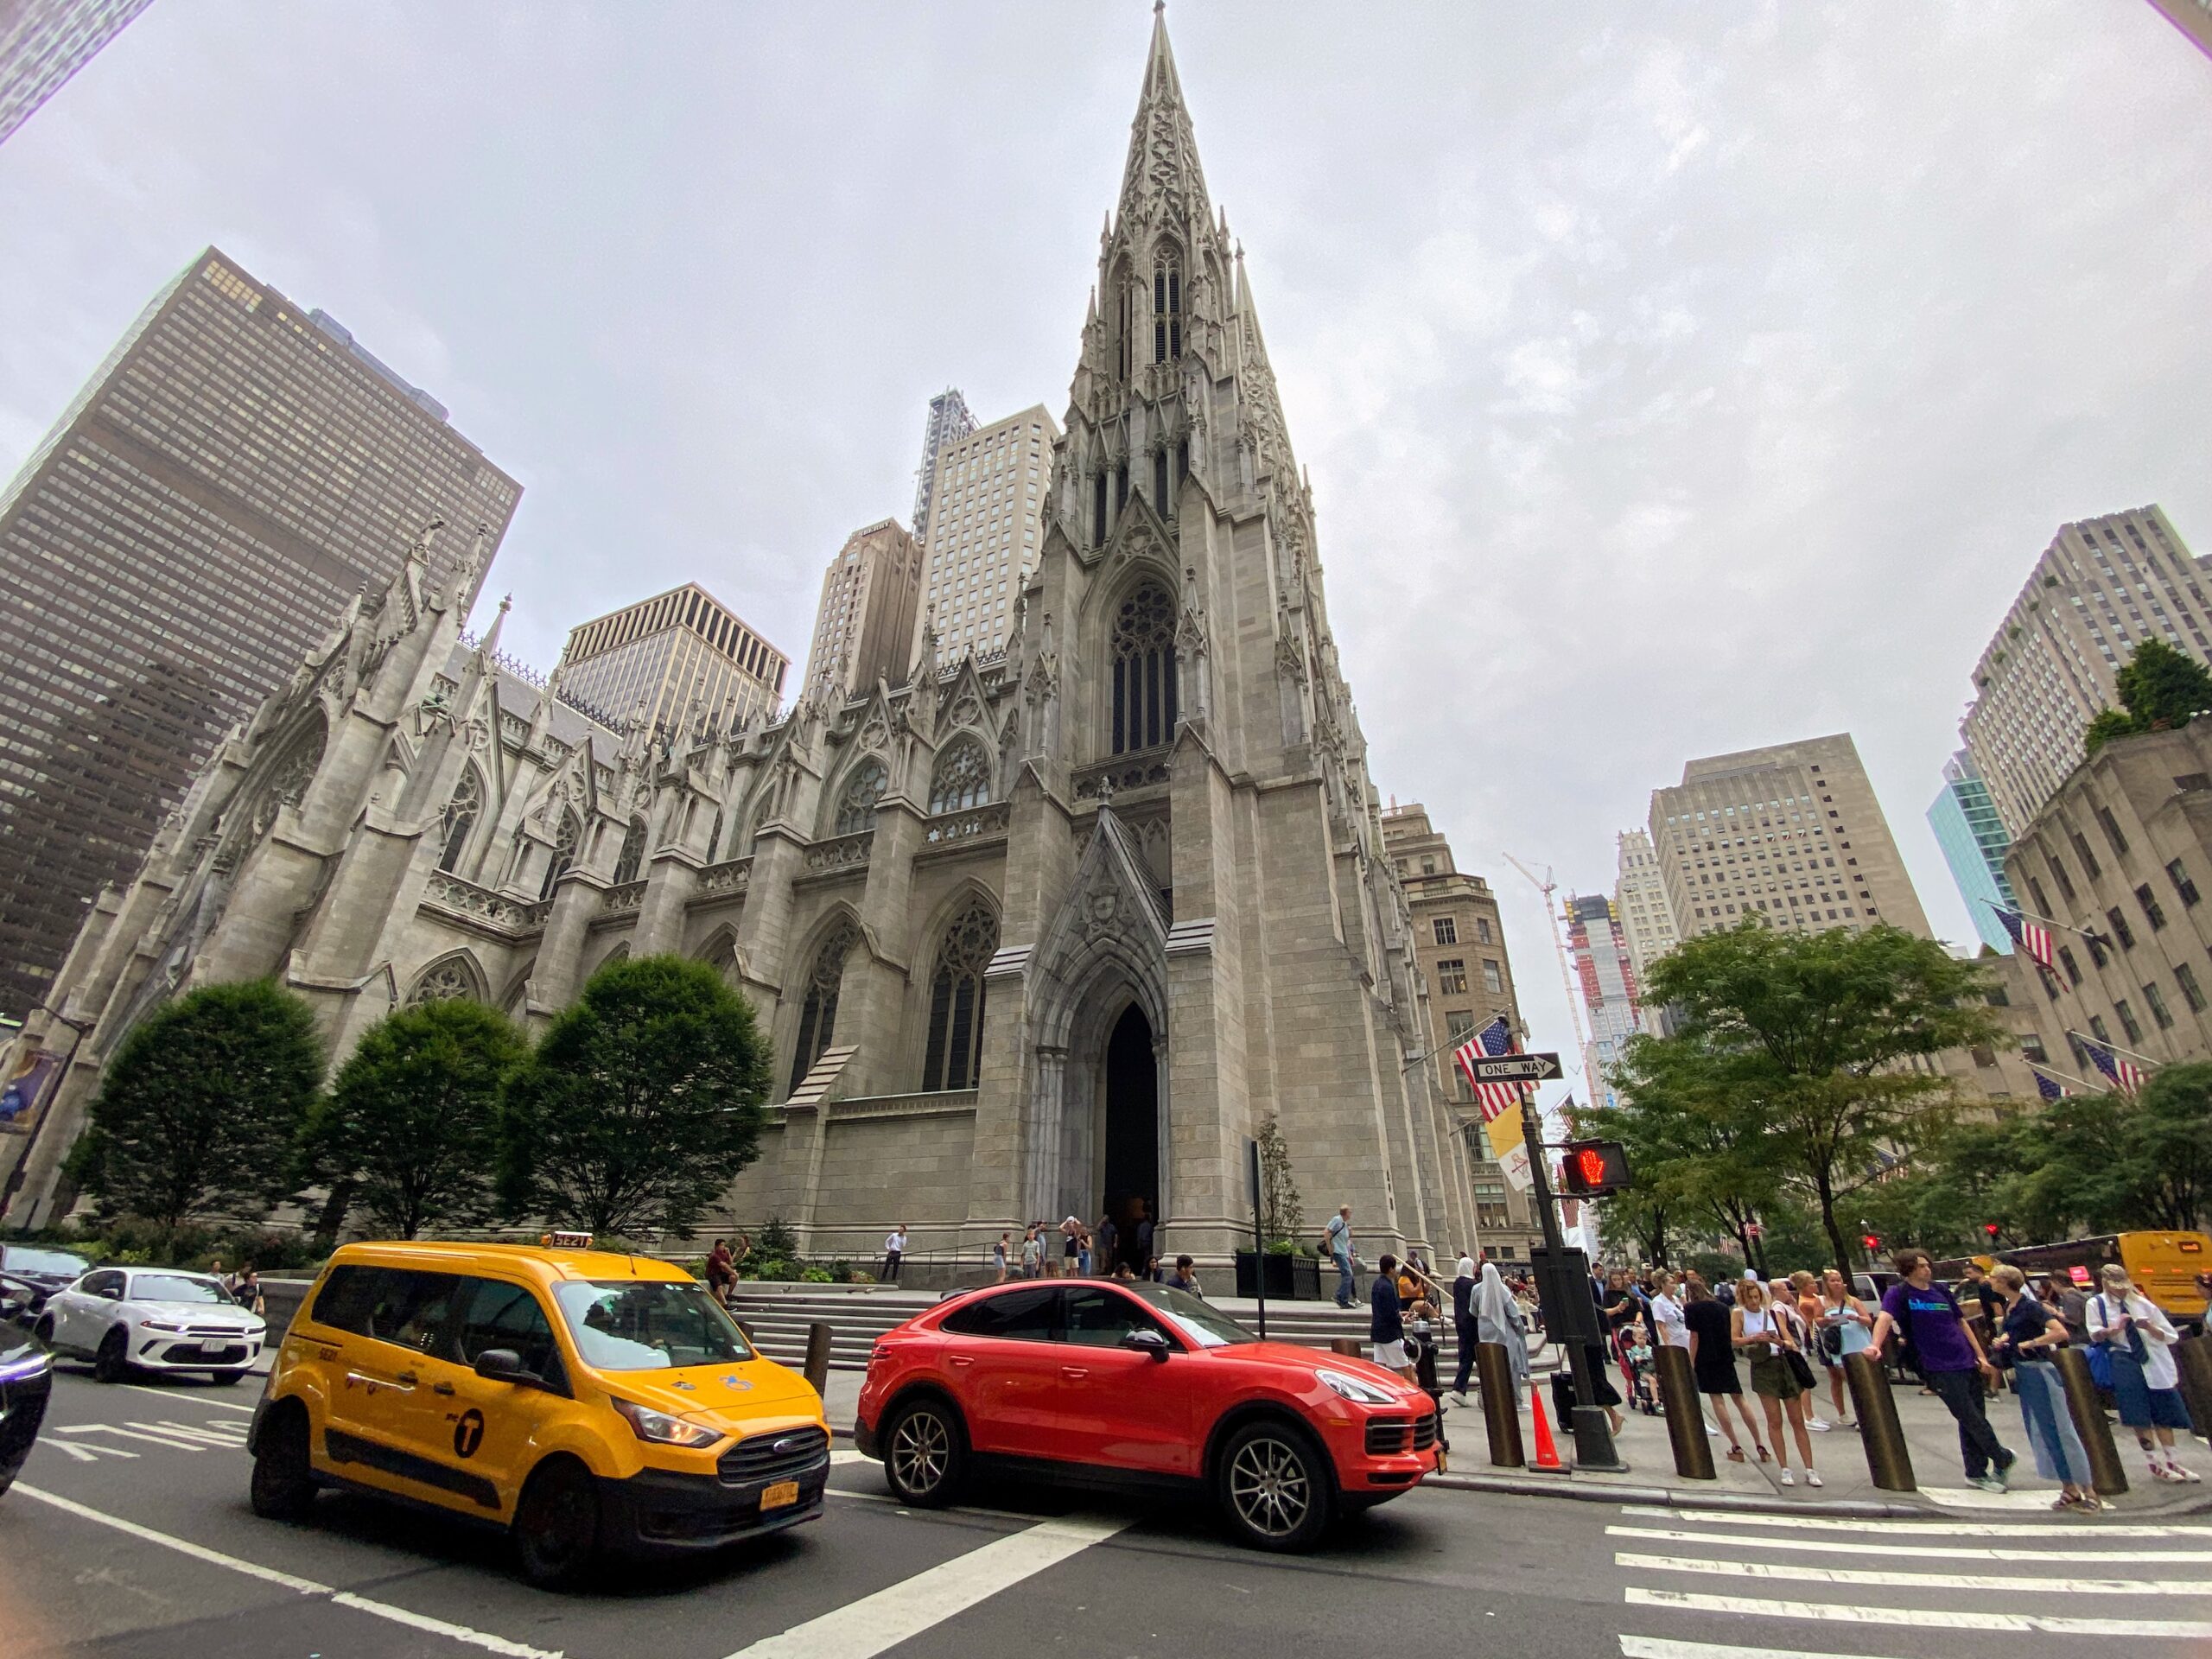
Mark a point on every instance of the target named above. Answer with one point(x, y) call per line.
point(632, 854)
point(1167, 310)
point(817, 1016)
point(564, 853)
point(448, 980)
point(1161, 498)
point(863, 789)
point(1144, 670)
point(460, 820)
point(956, 1047)
point(962, 779)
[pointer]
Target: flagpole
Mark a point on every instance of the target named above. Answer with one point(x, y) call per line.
point(2105, 1043)
point(2063, 927)
point(2064, 1077)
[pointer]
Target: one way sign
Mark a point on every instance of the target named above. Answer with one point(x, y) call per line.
point(1517, 1068)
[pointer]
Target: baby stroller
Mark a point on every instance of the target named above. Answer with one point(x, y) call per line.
point(1640, 1364)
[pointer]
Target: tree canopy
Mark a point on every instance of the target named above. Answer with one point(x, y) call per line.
point(2159, 687)
point(409, 1129)
point(641, 1105)
point(200, 1109)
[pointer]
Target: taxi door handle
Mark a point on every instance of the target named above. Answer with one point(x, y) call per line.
point(441, 1388)
point(1074, 1373)
point(405, 1379)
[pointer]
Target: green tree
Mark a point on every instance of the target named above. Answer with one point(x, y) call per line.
point(200, 1107)
point(2170, 1148)
point(1283, 1212)
point(1826, 1040)
point(641, 1105)
point(1696, 1140)
point(2159, 688)
point(410, 1128)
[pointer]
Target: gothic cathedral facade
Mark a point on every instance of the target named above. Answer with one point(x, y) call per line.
point(1045, 934)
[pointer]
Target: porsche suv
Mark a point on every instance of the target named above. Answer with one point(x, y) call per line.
point(1098, 1382)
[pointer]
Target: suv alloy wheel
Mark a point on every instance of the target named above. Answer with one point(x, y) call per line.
point(925, 1453)
point(1274, 1486)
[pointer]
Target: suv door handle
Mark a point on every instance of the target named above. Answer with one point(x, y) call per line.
point(962, 1359)
point(1074, 1373)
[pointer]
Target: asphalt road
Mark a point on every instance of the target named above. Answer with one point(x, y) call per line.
point(129, 1535)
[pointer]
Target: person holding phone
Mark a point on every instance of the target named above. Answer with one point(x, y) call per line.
point(2139, 1337)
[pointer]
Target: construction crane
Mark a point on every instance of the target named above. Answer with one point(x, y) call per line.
point(1547, 886)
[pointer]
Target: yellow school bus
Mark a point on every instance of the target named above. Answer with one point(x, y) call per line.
point(2163, 1266)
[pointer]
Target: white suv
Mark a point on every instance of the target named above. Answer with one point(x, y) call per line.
point(157, 1318)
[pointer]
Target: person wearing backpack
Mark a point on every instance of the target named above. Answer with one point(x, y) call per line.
point(2131, 1352)
point(1949, 1358)
point(1337, 1245)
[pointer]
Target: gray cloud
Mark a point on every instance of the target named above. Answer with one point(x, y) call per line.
point(1670, 384)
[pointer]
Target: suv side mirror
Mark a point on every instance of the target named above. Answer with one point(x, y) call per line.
point(502, 1365)
point(1149, 1342)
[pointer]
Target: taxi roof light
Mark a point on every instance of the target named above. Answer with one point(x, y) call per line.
point(558, 1240)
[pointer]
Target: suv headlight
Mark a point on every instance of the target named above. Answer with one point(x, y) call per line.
point(661, 1429)
point(160, 1324)
point(1356, 1389)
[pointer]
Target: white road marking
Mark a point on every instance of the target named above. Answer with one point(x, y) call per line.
point(873, 1624)
point(2070, 1560)
point(1652, 1647)
point(846, 1454)
point(173, 1395)
point(1972, 1498)
point(1909, 1528)
point(489, 1642)
point(222, 1438)
point(1924, 1618)
point(168, 1441)
point(91, 1454)
point(1798, 1572)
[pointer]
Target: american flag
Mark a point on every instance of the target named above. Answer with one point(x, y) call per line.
point(2050, 1087)
point(2031, 937)
point(1492, 1040)
point(2127, 1078)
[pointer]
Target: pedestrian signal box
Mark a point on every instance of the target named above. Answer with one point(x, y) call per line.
point(1591, 1169)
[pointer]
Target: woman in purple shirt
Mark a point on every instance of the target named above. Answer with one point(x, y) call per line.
point(1949, 1354)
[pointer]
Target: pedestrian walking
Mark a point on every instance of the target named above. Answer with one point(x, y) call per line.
point(1032, 1254)
point(894, 1252)
point(1844, 1327)
point(246, 1291)
point(2027, 1335)
point(2138, 1341)
point(999, 1252)
point(721, 1271)
point(1463, 1323)
point(1949, 1358)
point(1386, 1323)
point(1713, 1362)
point(1338, 1243)
point(1761, 1328)
point(1667, 1312)
point(1084, 1254)
point(1106, 1247)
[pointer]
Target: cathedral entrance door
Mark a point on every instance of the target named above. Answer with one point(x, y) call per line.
point(1130, 1166)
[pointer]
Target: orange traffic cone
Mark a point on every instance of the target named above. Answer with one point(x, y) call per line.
point(1547, 1452)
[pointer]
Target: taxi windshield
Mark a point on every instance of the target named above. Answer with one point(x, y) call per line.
point(644, 1324)
point(1198, 1323)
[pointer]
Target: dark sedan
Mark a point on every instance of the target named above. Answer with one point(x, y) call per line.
point(26, 1379)
point(35, 1273)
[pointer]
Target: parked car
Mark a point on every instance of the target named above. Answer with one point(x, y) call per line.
point(26, 1380)
point(39, 1272)
point(592, 1404)
point(153, 1320)
point(1138, 1385)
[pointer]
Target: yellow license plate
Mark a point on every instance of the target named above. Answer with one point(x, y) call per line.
point(781, 1496)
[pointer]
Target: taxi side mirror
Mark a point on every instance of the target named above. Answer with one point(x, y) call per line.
point(1149, 1342)
point(503, 1365)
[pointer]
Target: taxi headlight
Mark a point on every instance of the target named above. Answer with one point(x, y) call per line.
point(1356, 1390)
point(661, 1429)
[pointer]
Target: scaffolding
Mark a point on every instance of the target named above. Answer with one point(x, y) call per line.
point(949, 421)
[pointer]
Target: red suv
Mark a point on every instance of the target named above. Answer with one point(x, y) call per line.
point(1111, 1384)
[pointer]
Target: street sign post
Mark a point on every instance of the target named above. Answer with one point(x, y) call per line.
point(1259, 1235)
point(1516, 1067)
point(1565, 1298)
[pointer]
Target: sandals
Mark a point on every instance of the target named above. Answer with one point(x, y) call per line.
point(1735, 1455)
point(1765, 1456)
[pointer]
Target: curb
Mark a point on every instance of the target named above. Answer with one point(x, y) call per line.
point(1677, 1497)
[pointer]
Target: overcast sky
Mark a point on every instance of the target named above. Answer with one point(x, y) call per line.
point(1673, 379)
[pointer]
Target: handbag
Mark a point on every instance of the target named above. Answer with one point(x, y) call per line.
point(1831, 1340)
point(1800, 1368)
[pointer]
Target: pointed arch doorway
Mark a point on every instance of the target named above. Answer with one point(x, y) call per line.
point(1128, 1133)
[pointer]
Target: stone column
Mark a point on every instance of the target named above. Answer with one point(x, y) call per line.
point(873, 1001)
point(672, 881)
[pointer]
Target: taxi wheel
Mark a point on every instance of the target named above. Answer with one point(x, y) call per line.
point(112, 1363)
point(283, 1487)
point(556, 1525)
point(926, 1453)
point(1274, 1486)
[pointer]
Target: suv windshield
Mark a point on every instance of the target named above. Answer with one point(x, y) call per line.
point(1198, 1323)
point(643, 1325)
point(176, 1287)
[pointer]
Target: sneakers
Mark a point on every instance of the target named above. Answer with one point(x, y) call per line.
point(1818, 1425)
point(2169, 1471)
point(1988, 1483)
point(1788, 1480)
point(1813, 1478)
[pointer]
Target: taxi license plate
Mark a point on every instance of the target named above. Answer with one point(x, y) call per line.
point(781, 1496)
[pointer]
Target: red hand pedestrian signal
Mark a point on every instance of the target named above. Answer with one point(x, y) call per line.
point(1590, 1166)
point(1990, 1227)
point(1872, 1241)
point(1591, 1169)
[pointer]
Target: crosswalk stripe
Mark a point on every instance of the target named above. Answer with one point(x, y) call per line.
point(1798, 1572)
point(2068, 1558)
point(2177, 1629)
point(1909, 1528)
point(168, 1441)
point(1653, 1647)
point(209, 1436)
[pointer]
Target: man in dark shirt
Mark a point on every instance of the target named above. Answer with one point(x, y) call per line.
point(1949, 1354)
point(1386, 1326)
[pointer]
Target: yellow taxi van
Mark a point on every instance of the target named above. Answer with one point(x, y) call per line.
point(595, 1405)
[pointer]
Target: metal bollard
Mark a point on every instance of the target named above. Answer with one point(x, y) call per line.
point(1685, 1414)
point(2194, 1356)
point(2087, 1411)
point(1349, 1347)
point(817, 1356)
point(1501, 1405)
point(1888, 1459)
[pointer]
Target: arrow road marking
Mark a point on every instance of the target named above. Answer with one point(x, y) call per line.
point(169, 1440)
point(91, 1454)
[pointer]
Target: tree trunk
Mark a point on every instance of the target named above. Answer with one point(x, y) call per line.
point(1825, 1187)
point(334, 1206)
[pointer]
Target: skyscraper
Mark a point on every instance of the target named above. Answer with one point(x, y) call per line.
point(43, 42)
point(232, 475)
point(948, 419)
point(1792, 831)
point(673, 660)
point(1975, 843)
point(2101, 589)
point(1608, 982)
point(987, 521)
point(864, 626)
point(1640, 901)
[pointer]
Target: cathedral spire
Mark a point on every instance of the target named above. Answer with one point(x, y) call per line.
point(1163, 165)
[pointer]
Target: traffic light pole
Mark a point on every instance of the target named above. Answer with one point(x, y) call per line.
point(1568, 1310)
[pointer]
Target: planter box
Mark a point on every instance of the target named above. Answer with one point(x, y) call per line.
point(1290, 1278)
